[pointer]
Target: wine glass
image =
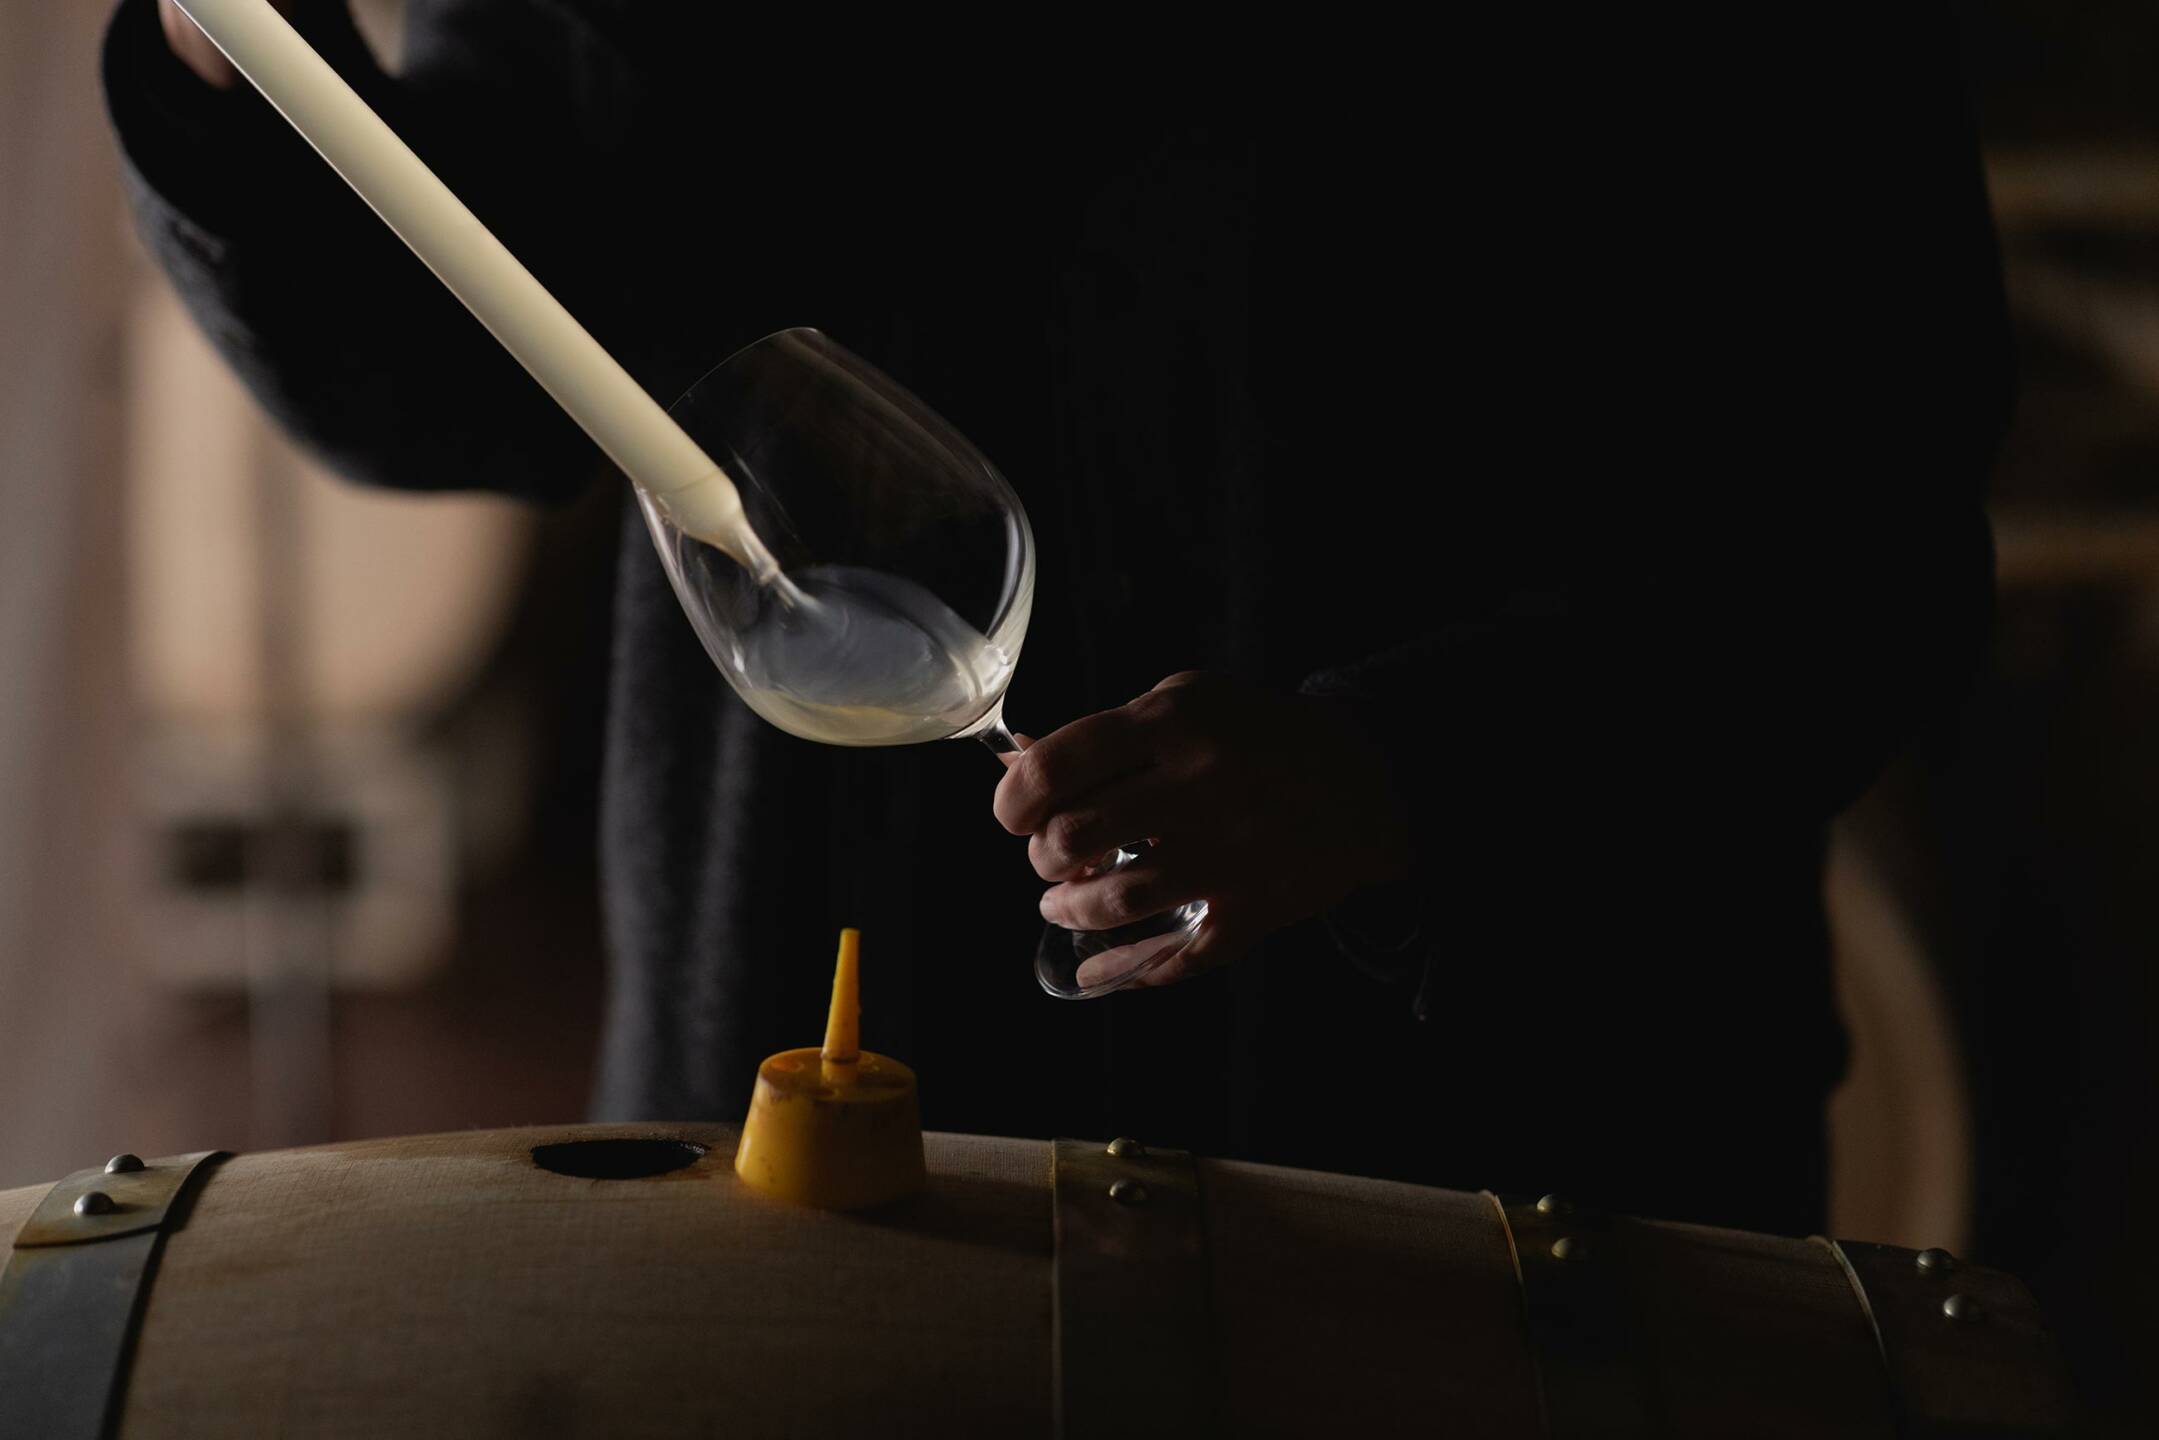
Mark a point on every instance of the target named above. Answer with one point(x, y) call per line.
point(907, 580)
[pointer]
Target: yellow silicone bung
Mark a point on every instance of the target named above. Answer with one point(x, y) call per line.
point(835, 1127)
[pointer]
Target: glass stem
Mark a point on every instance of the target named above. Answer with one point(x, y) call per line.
point(998, 736)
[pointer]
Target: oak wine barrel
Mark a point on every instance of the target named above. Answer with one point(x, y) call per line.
point(618, 1281)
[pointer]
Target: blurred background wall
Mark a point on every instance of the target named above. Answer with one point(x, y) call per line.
point(62, 670)
point(296, 779)
point(296, 782)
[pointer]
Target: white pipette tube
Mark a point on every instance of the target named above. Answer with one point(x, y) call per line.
point(584, 379)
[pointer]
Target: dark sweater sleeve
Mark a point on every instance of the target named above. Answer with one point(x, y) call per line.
point(337, 329)
point(1467, 718)
point(1781, 569)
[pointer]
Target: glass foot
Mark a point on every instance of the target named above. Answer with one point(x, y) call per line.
point(1086, 964)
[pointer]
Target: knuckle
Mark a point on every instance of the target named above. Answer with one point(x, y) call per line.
point(1065, 833)
point(1070, 905)
point(1094, 907)
point(1006, 806)
point(1022, 795)
point(1043, 773)
point(1131, 892)
point(1151, 709)
point(1039, 855)
point(1053, 861)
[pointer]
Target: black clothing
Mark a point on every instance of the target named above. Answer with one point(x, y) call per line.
point(1615, 445)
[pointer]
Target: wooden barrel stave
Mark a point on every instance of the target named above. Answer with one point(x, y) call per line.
point(1752, 1334)
point(448, 1285)
point(445, 1286)
point(1330, 1290)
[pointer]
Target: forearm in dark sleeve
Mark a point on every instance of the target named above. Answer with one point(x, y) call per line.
point(340, 332)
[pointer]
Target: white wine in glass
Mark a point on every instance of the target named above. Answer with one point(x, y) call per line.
point(905, 582)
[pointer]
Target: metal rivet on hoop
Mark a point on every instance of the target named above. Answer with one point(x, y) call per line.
point(123, 1164)
point(1126, 1148)
point(94, 1202)
point(1128, 1192)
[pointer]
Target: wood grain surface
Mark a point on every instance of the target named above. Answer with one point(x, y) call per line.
point(446, 1285)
